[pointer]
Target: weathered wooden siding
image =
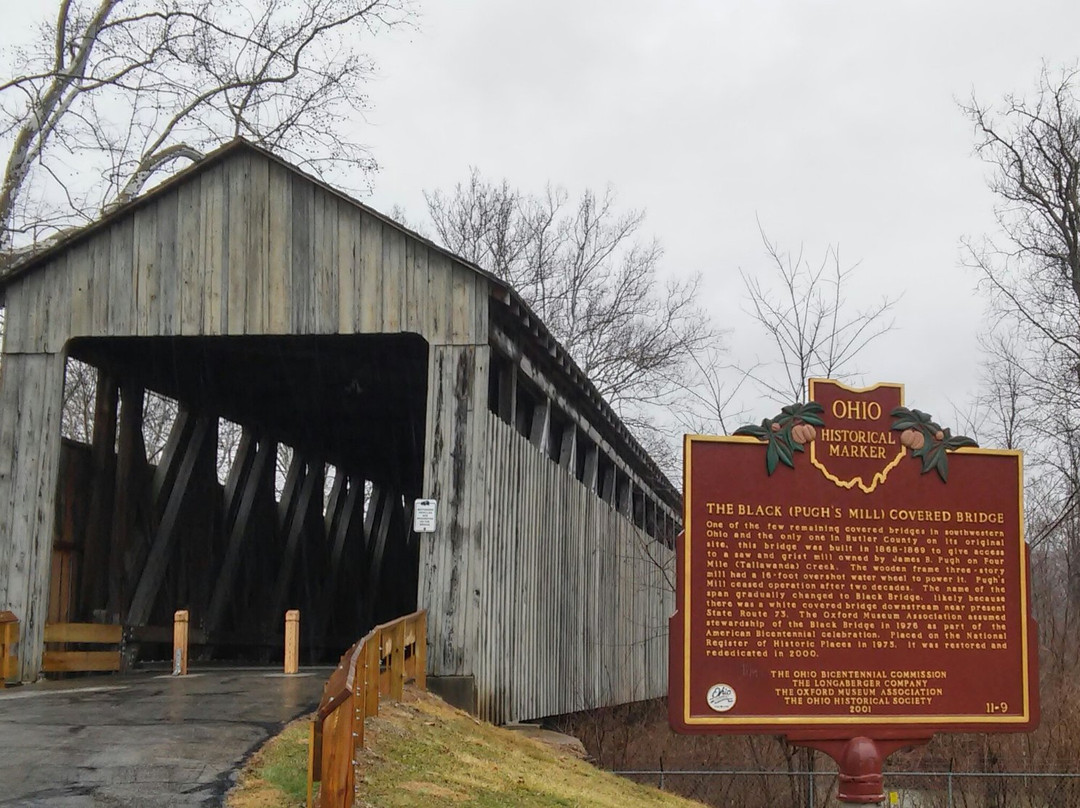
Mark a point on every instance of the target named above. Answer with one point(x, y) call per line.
point(456, 475)
point(573, 598)
point(247, 246)
point(30, 401)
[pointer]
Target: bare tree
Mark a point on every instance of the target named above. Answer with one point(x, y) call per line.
point(80, 390)
point(108, 94)
point(812, 328)
point(709, 401)
point(1031, 268)
point(581, 266)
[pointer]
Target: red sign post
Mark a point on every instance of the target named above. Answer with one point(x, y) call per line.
point(854, 577)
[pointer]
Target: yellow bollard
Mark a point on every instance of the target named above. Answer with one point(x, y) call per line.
point(9, 644)
point(180, 643)
point(292, 641)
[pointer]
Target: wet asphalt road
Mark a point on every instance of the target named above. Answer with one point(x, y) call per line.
point(144, 740)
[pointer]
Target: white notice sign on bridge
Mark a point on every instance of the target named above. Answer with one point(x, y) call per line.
point(423, 520)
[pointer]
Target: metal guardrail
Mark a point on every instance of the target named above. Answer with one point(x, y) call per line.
point(379, 663)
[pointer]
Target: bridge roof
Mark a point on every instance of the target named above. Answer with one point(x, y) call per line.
point(527, 328)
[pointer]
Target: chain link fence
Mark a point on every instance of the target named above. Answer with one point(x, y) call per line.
point(751, 788)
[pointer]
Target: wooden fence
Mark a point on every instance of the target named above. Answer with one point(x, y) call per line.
point(82, 659)
point(381, 662)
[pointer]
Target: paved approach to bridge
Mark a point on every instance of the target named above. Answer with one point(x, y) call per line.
point(170, 742)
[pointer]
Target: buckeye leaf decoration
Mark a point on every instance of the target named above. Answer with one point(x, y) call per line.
point(927, 440)
point(787, 433)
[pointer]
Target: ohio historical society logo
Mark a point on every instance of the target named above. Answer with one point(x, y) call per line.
point(721, 697)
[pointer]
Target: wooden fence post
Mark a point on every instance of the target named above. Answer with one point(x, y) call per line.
point(373, 651)
point(314, 757)
point(359, 702)
point(397, 661)
point(420, 651)
point(292, 641)
point(180, 643)
point(9, 643)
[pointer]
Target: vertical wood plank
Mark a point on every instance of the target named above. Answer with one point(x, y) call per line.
point(81, 269)
point(116, 279)
point(96, 254)
point(461, 304)
point(416, 287)
point(325, 266)
point(166, 265)
point(144, 279)
point(485, 636)
point(256, 270)
point(440, 286)
point(481, 298)
point(303, 256)
point(476, 480)
point(16, 315)
point(393, 279)
point(235, 283)
point(213, 247)
point(189, 242)
point(431, 589)
point(280, 255)
point(30, 339)
point(57, 304)
point(369, 297)
point(348, 258)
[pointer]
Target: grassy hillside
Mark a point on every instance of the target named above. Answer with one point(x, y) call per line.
point(423, 752)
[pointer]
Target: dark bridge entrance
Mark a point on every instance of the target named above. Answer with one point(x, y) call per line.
point(237, 477)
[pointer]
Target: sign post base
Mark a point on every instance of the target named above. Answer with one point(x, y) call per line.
point(860, 760)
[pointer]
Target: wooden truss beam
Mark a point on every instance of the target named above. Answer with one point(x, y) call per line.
point(239, 530)
point(377, 529)
point(298, 509)
point(164, 540)
point(338, 529)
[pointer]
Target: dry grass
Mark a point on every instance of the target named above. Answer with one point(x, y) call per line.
point(422, 753)
point(425, 753)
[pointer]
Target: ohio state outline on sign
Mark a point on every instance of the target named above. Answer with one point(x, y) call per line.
point(857, 446)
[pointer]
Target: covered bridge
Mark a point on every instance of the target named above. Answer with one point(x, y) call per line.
point(243, 291)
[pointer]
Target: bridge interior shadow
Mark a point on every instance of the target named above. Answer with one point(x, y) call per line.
point(236, 478)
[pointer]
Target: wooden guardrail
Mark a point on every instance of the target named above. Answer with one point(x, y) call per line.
point(9, 644)
point(67, 661)
point(381, 662)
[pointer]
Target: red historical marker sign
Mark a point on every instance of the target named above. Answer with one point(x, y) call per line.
point(848, 570)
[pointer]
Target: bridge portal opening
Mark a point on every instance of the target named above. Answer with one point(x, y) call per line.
point(238, 477)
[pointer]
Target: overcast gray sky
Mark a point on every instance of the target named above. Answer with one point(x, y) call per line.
point(832, 122)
